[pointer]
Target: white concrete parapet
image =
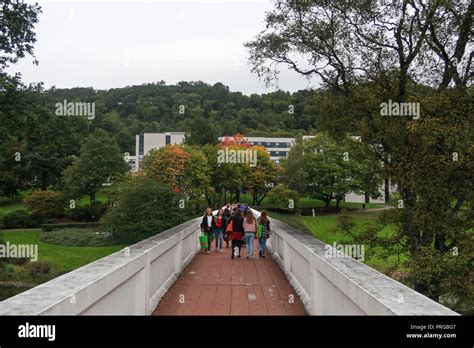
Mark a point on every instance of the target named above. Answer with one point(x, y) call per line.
point(128, 282)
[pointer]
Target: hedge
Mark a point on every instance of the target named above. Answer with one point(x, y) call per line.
point(52, 227)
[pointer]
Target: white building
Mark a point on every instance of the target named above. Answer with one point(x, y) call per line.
point(148, 141)
point(277, 148)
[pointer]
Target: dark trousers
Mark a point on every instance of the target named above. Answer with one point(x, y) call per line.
point(236, 243)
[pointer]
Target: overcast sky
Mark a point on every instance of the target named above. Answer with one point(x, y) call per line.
point(106, 44)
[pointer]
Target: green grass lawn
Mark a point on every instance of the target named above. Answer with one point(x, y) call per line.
point(17, 277)
point(321, 227)
point(7, 208)
point(62, 258)
point(99, 197)
point(306, 202)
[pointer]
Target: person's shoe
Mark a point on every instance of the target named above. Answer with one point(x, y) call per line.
point(208, 252)
point(263, 256)
point(260, 253)
point(220, 251)
point(238, 256)
point(232, 257)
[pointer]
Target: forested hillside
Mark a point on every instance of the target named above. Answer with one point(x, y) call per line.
point(157, 107)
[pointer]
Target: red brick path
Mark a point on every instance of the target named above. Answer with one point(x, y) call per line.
point(217, 285)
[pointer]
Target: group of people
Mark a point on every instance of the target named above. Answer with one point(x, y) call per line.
point(238, 225)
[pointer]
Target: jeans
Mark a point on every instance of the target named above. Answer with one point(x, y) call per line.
point(249, 238)
point(262, 243)
point(219, 238)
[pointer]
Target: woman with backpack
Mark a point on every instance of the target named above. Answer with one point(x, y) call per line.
point(208, 224)
point(263, 233)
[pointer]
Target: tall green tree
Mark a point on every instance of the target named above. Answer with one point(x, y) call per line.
point(100, 162)
point(17, 40)
point(367, 53)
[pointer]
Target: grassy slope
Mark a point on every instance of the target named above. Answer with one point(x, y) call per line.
point(306, 202)
point(63, 258)
point(321, 227)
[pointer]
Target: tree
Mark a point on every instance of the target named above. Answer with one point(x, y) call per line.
point(184, 169)
point(18, 37)
point(166, 165)
point(261, 177)
point(333, 169)
point(17, 40)
point(202, 131)
point(406, 51)
point(99, 162)
point(144, 208)
point(293, 174)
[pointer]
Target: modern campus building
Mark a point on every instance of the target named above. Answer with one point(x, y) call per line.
point(277, 148)
point(148, 141)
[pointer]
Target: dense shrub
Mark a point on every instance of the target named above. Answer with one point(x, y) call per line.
point(279, 197)
point(47, 204)
point(20, 219)
point(38, 268)
point(145, 207)
point(91, 212)
point(78, 237)
point(82, 225)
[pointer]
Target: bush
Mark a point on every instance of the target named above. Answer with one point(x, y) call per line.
point(91, 212)
point(279, 198)
point(82, 225)
point(21, 219)
point(47, 204)
point(38, 268)
point(78, 237)
point(145, 208)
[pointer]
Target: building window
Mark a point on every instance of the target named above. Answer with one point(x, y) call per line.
point(167, 139)
point(141, 144)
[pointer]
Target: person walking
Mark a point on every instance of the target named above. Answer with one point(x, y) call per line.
point(250, 229)
point(237, 233)
point(263, 233)
point(218, 232)
point(225, 223)
point(208, 224)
